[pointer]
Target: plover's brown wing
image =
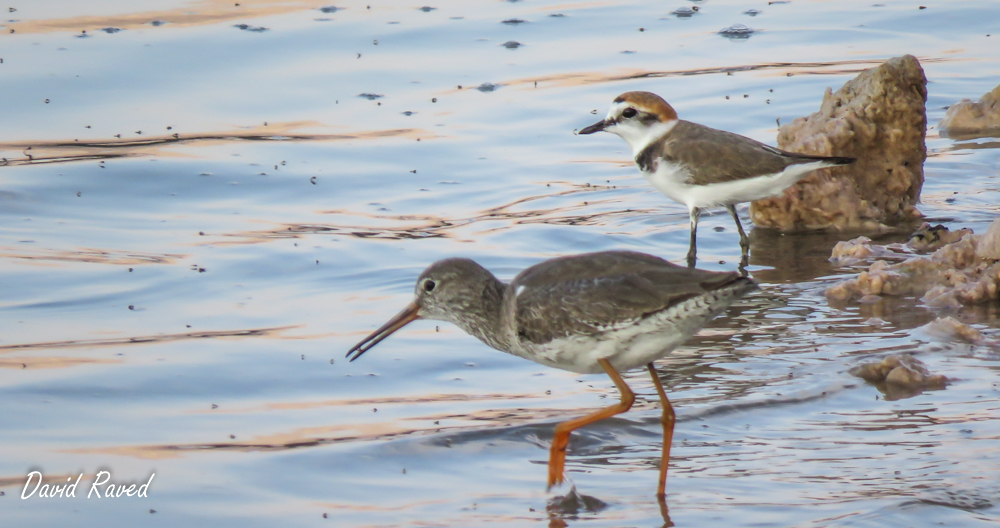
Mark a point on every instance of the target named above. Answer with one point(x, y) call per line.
point(591, 293)
point(716, 156)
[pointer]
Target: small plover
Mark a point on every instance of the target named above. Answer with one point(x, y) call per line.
point(597, 312)
point(701, 167)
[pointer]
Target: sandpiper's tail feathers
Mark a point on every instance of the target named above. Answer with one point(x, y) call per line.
point(723, 295)
point(742, 286)
point(735, 287)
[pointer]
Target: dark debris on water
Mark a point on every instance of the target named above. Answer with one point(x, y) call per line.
point(736, 31)
point(574, 503)
point(248, 27)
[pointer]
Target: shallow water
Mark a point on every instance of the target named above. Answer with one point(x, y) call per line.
point(180, 304)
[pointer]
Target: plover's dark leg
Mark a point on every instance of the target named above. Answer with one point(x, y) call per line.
point(667, 420)
point(557, 453)
point(693, 247)
point(744, 240)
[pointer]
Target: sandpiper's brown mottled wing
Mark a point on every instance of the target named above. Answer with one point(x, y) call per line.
point(716, 156)
point(588, 294)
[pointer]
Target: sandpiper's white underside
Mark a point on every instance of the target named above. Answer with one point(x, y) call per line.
point(671, 179)
point(630, 344)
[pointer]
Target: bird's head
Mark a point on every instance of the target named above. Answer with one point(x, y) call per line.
point(637, 117)
point(449, 290)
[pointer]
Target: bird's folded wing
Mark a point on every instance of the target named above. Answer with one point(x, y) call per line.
point(600, 292)
point(714, 156)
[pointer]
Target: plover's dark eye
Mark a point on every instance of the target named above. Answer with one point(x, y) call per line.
point(629, 113)
point(429, 285)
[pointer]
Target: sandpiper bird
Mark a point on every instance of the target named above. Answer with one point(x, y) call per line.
point(597, 312)
point(702, 167)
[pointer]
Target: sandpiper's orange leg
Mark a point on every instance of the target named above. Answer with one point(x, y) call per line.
point(667, 420)
point(557, 454)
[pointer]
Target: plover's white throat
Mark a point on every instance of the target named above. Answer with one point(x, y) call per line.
point(699, 166)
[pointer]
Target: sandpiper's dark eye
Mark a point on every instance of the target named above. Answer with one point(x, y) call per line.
point(629, 113)
point(429, 285)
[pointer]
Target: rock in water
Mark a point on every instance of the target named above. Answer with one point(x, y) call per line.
point(965, 272)
point(900, 376)
point(878, 117)
point(933, 238)
point(989, 244)
point(973, 119)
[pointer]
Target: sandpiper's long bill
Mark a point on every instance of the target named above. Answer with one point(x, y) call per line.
point(701, 167)
point(597, 312)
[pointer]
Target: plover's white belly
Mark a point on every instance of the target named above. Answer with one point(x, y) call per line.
point(672, 180)
point(629, 345)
